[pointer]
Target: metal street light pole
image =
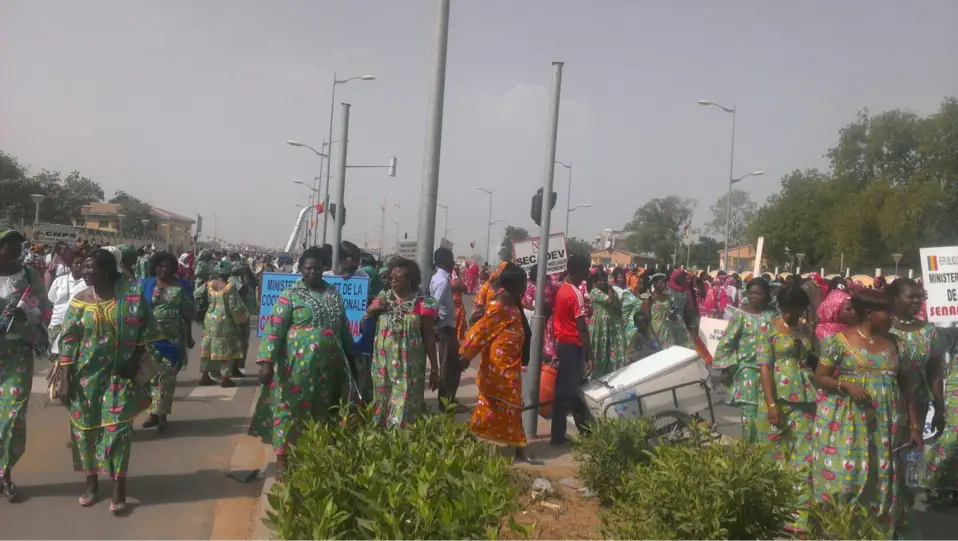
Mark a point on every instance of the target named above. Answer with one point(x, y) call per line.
point(530, 391)
point(340, 185)
point(568, 196)
point(332, 109)
point(569, 212)
point(445, 228)
point(489, 228)
point(37, 197)
point(728, 218)
point(396, 246)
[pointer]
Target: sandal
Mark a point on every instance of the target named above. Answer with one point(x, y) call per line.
point(87, 499)
point(151, 421)
point(11, 492)
point(227, 383)
point(118, 508)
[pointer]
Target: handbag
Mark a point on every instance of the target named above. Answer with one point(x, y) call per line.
point(146, 370)
point(54, 383)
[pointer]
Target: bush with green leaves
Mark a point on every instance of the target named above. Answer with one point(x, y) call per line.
point(840, 519)
point(703, 492)
point(610, 450)
point(431, 480)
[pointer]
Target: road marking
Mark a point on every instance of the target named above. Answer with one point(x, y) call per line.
point(213, 392)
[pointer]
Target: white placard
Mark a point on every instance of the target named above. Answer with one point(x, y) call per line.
point(711, 330)
point(757, 266)
point(939, 268)
point(526, 253)
point(50, 234)
point(407, 249)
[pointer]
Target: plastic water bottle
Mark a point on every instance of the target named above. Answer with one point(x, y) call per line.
point(913, 460)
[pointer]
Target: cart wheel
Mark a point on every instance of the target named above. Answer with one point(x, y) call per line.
point(672, 426)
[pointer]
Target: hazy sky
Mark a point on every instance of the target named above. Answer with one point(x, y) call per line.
point(187, 104)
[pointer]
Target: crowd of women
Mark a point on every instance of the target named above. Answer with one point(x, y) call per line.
point(117, 324)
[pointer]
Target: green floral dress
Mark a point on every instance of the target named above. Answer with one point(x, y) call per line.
point(226, 315)
point(916, 348)
point(142, 268)
point(941, 457)
point(790, 442)
point(27, 336)
point(173, 310)
point(306, 340)
point(853, 442)
point(99, 340)
point(668, 321)
point(607, 335)
point(736, 354)
point(399, 359)
point(630, 305)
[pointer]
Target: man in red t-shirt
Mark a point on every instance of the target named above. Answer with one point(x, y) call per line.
point(573, 350)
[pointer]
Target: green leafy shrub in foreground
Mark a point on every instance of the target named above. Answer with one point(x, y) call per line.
point(611, 449)
point(713, 492)
point(841, 519)
point(432, 480)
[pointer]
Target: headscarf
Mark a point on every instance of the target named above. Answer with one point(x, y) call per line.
point(6, 229)
point(828, 311)
point(673, 282)
point(127, 250)
point(205, 255)
point(117, 255)
point(222, 269)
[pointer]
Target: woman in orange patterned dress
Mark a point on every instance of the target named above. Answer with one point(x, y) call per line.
point(499, 335)
point(458, 288)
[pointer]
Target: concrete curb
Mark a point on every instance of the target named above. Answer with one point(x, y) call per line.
point(260, 531)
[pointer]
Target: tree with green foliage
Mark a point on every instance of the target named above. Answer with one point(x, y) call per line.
point(657, 226)
point(134, 212)
point(512, 233)
point(63, 196)
point(577, 246)
point(742, 212)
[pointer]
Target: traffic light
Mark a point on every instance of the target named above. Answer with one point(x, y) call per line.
point(537, 205)
point(332, 212)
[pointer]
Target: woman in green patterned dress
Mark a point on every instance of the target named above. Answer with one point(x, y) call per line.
point(917, 343)
point(941, 476)
point(171, 299)
point(630, 304)
point(673, 314)
point(736, 355)
point(105, 334)
point(786, 410)
point(24, 315)
point(226, 317)
point(247, 290)
point(606, 329)
point(405, 338)
point(204, 268)
point(866, 413)
point(304, 358)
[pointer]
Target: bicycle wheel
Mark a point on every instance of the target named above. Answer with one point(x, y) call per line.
point(672, 426)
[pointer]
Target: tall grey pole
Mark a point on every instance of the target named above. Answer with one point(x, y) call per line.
point(568, 202)
point(319, 190)
point(340, 187)
point(530, 417)
point(731, 180)
point(430, 161)
point(489, 229)
point(332, 104)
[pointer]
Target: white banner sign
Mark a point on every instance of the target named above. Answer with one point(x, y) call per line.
point(50, 234)
point(939, 268)
point(407, 249)
point(711, 330)
point(526, 253)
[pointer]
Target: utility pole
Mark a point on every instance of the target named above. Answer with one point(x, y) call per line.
point(341, 185)
point(530, 417)
point(382, 232)
point(430, 170)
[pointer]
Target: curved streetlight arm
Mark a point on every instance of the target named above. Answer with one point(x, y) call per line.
point(722, 107)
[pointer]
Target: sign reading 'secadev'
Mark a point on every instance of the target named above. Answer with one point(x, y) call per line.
point(526, 253)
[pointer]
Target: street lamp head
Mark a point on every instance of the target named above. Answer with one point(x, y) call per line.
point(294, 143)
point(484, 190)
point(757, 173)
point(300, 182)
point(37, 197)
point(705, 102)
point(586, 205)
point(368, 77)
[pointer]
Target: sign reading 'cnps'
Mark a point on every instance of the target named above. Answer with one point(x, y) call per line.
point(354, 291)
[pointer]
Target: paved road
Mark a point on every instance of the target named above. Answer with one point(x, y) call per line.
point(178, 486)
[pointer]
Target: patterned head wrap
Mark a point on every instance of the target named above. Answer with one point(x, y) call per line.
point(494, 277)
point(236, 267)
point(222, 269)
point(205, 255)
point(673, 282)
point(7, 229)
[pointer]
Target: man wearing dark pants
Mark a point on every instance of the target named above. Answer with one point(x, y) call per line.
point(450, 366)
point(573, 351)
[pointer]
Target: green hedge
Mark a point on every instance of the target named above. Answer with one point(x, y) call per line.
point(432, 480)
point(610, 451)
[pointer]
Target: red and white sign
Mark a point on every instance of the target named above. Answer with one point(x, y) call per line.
point(526, 253)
